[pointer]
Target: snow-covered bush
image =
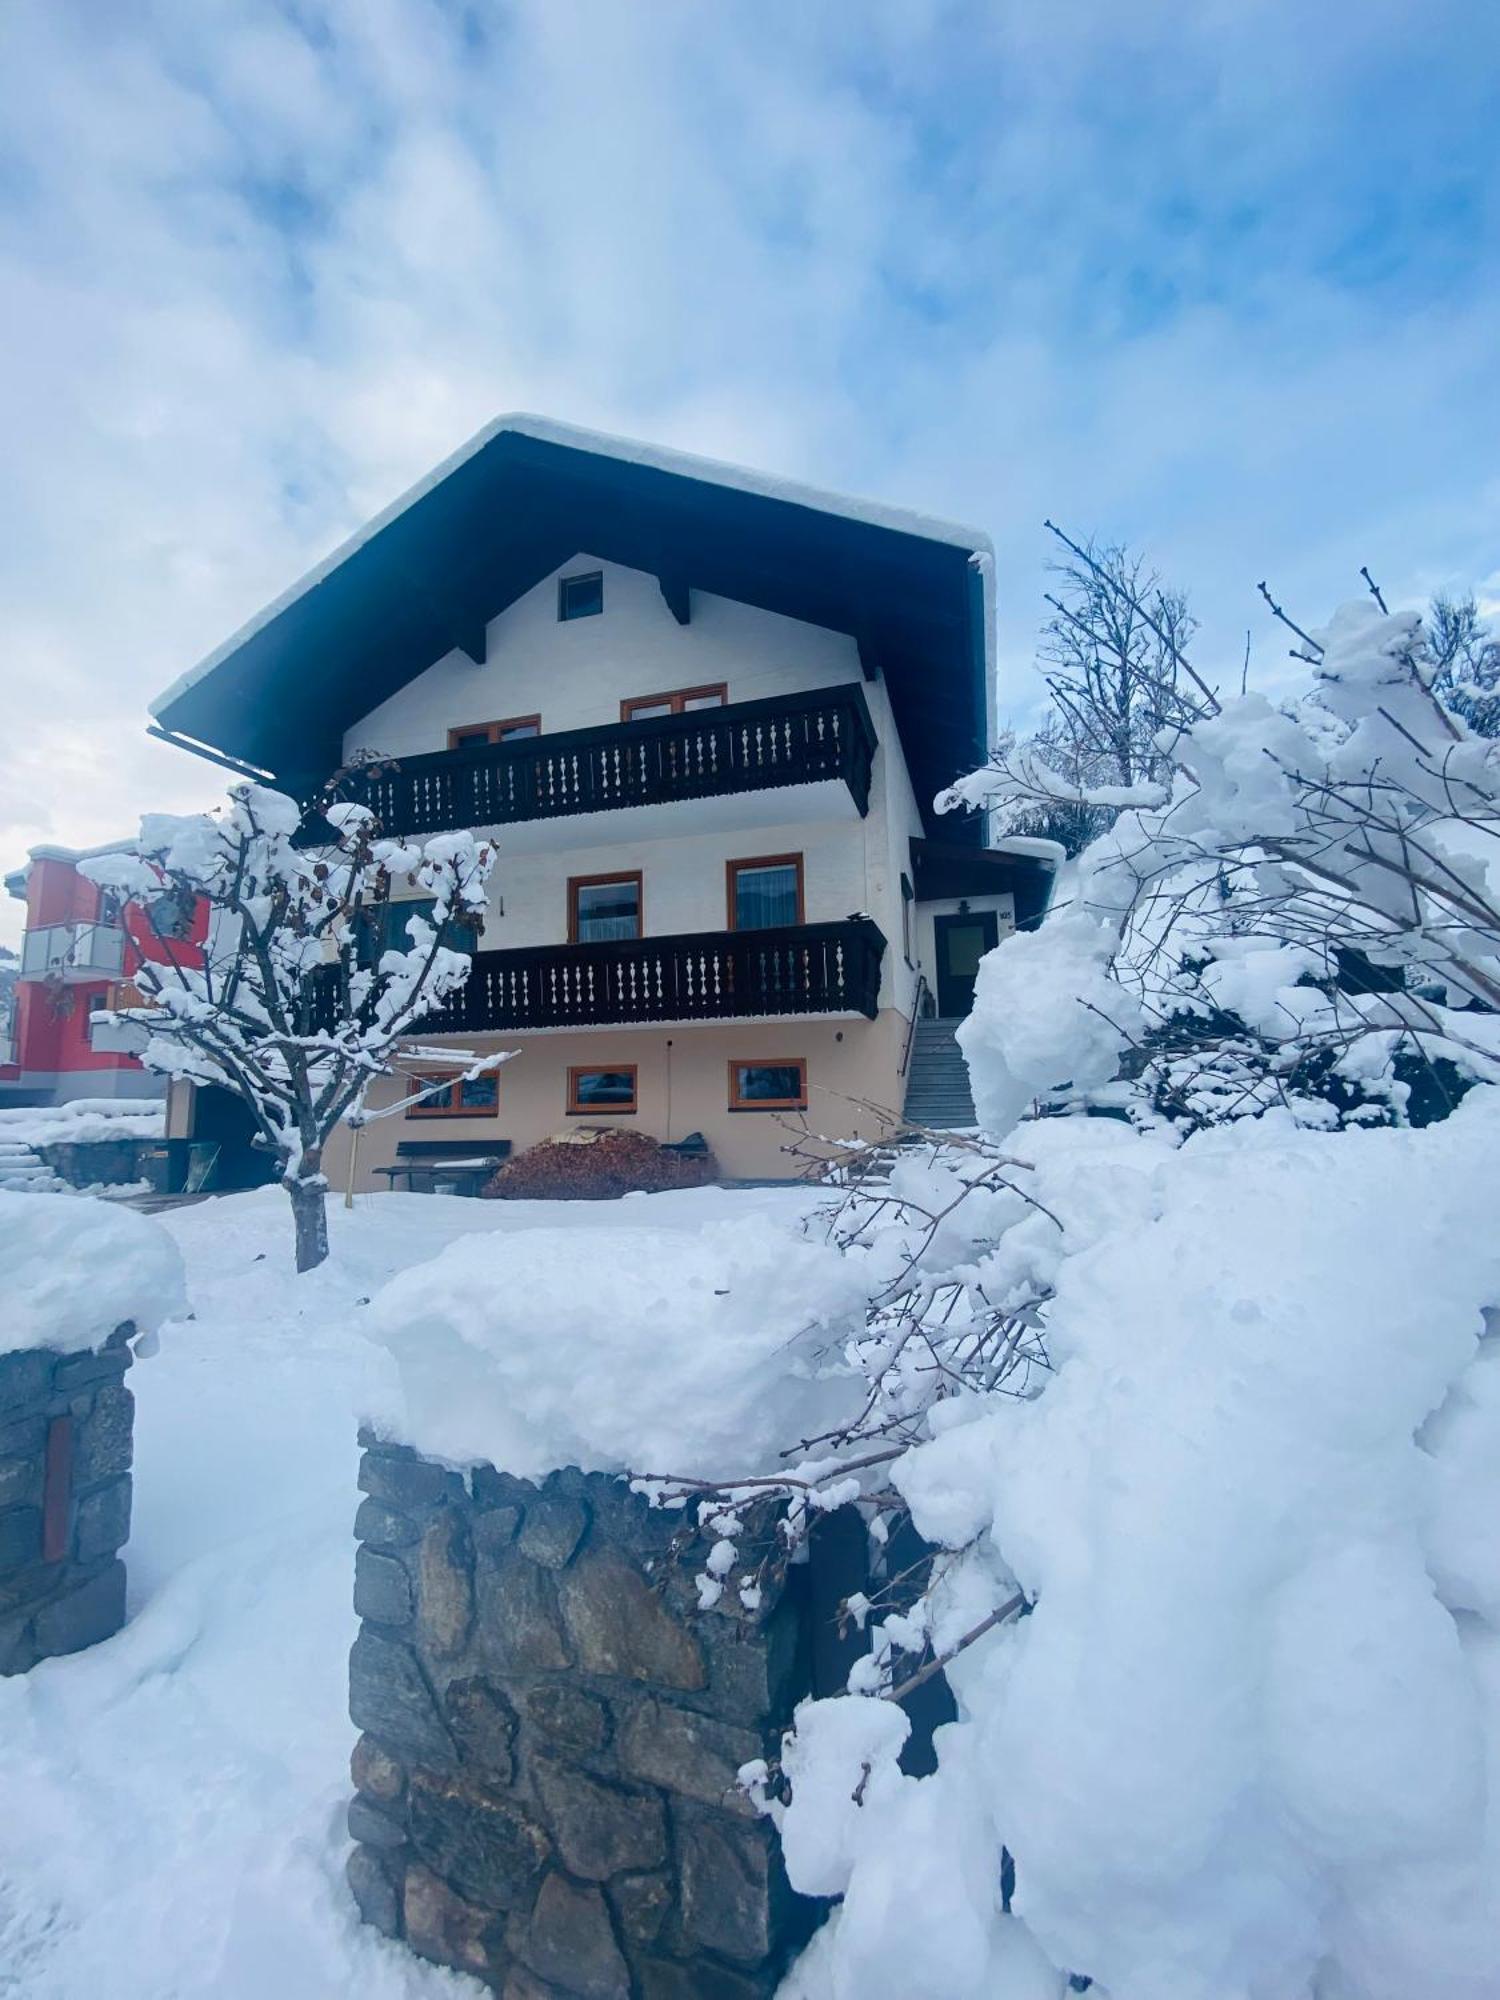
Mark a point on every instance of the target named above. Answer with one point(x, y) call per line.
point(1302, 914)
point(1246, 1740)
point(1200, 1409)
point(285, 1005)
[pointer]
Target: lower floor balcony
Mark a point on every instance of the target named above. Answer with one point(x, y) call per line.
point(697, 976)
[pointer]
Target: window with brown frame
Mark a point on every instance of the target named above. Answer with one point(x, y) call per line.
point(764, 892)
point(514, 729)
point(591, 1091)
point(677, 701)
point(463, 1097)
point(604, 908)
point(769, 1086)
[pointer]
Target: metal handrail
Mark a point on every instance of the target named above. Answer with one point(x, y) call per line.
point(911, 1026)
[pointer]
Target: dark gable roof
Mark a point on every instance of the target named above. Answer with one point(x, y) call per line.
point(518, 501)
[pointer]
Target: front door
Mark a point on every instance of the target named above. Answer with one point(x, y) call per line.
point(961, 942)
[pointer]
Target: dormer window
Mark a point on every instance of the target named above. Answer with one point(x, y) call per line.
point(581, 596)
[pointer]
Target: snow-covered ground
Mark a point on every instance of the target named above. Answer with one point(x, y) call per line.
point(172, 1816)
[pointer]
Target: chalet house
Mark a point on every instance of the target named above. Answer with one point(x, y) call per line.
point(704, 715)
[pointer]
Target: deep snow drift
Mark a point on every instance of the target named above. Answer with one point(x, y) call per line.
point(171, 1803)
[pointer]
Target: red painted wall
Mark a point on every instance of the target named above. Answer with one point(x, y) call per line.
point(52, 1024)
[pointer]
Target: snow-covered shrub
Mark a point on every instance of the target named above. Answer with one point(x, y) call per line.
point(1198, 1408)
point(285, 1005)
point(1247, 1739)
point(1302, 914)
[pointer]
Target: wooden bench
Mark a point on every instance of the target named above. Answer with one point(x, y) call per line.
point(447, 1166)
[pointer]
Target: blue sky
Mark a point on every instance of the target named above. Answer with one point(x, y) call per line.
point(1221, 280)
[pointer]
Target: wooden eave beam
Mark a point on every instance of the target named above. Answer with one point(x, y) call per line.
point(676, 595)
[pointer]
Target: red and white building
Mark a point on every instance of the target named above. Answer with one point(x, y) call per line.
point(79, 954)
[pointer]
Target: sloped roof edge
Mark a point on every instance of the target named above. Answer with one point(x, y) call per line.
point(659, 458)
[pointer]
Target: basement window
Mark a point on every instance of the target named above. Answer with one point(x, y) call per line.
point(580, 596)
point(768, 1086)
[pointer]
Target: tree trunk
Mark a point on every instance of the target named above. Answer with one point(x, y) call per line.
point(310, 1216)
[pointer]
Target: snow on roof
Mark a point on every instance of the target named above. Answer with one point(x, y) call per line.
point(630, 451)
point(15, 881)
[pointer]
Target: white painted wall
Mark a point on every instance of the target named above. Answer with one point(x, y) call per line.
point(575, 675)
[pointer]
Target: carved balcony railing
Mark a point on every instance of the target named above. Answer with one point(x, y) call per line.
point(747, 746)
point(698, 976)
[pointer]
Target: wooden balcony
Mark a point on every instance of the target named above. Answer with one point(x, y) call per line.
point(747, 746)
point(698, 976)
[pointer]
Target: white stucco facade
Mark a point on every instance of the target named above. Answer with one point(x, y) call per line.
point(575, 674)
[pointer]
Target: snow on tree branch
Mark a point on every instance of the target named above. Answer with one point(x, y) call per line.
point(295, 1003)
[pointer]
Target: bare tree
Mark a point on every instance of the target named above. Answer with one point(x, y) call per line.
point(1121, 690)
point(1465, 656)
point(1114, 656)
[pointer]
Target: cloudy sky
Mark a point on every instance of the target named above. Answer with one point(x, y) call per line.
point(1218, 277)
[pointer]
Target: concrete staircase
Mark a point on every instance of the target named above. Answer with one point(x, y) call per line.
point(23, 1171)
point(937, 1083)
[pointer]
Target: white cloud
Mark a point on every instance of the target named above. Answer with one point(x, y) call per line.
point(1166, 278)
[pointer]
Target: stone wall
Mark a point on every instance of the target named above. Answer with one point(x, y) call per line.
point(98, 1162)
point(545, 1785)
point(65, 1450)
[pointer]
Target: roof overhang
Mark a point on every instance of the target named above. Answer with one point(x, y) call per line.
point(945, 871)
point(518, 500)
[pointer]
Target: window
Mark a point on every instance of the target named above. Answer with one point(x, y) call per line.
point(515, 729)
point(170, 915)
point(580, 596)
point(464, 1097)
point(592, 1090)
point(765, 892)
point(383, 927)
point(680, 701)
point(602, 908)
point(119, 996)
point(768, 1086)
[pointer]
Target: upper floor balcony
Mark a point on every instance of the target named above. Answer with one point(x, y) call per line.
point(823, 737)
point(73, 953)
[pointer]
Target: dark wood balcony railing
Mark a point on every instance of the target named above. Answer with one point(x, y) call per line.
point(699, 976)
point(792, 739)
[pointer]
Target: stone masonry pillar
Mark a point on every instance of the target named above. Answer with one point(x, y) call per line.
point(66, 1425)
point(545, 1791)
